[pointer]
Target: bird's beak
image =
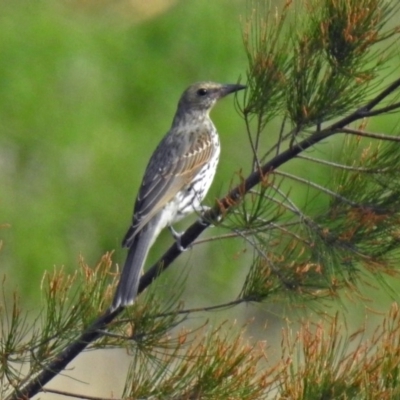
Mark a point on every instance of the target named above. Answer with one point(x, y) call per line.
point(231, 88)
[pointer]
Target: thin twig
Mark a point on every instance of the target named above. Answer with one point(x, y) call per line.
point(77, 396)
point(363, 111)
point(322, 189)
point(283, 229)
point(342, 166)
point(292, 206)
point(373, 135)
point(271, 264)
point(231, 235)
point(256, 163)
point(384, 110)
point(281, 136)
point(190, 311)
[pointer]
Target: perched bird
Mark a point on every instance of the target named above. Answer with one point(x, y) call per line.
point(176, 180)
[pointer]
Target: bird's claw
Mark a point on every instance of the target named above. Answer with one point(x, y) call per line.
point(205, 221)
point(177, 236)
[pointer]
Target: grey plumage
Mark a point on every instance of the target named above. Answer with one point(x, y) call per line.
point(176, 179)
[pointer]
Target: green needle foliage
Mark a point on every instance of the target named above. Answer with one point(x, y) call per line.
point(329, 58)
point(321, 67)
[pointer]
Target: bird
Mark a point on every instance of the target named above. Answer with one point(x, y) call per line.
point(175, 182)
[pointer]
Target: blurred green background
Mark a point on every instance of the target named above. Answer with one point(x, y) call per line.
point(87, 90)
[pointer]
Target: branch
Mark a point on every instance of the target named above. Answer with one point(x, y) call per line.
point(93, 332)
point(235, 195)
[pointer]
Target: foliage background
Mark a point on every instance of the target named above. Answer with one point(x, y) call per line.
point(87, 89)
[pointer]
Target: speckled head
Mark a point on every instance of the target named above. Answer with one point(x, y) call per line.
point(202, 96)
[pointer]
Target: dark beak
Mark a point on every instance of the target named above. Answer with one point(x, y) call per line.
point(231, 88)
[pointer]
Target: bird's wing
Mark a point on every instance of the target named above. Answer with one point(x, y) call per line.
point(173, 165)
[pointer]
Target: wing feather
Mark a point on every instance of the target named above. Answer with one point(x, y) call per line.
point(174, 164)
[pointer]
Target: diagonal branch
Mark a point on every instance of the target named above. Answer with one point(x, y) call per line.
point(93, 332)
point(235, 195)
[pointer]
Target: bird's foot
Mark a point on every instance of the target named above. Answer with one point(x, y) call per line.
point(205, 221)
point(177, 236)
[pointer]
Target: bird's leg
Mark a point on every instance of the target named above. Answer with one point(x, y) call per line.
point(177, 236)
point(202, 211)
point(203, 221)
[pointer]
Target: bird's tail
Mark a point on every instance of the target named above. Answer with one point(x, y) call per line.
point(129, 280)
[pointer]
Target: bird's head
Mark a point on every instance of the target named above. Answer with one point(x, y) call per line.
point(201, 96)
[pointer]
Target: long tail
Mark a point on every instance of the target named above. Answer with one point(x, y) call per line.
point(129, 281)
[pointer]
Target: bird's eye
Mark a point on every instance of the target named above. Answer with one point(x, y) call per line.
point(202, 92)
